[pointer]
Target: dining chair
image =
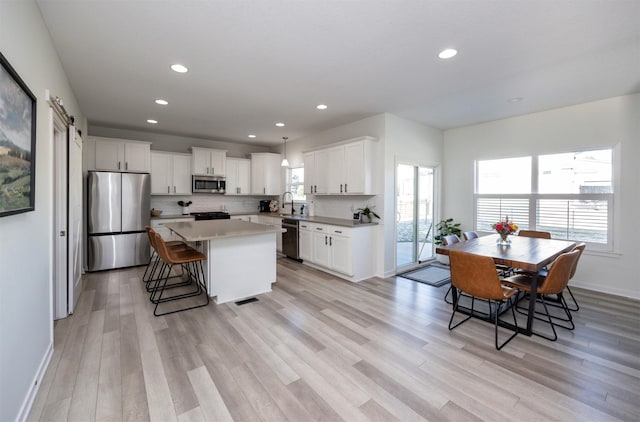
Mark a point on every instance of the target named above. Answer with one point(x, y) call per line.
point(191, 260)
point(476, 276)
point(535, 233)
point(449, 240)
point(576, 307)
point(470, 235)
point(553, 283)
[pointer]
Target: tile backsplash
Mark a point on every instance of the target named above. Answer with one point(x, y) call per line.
point(324, 206)
point(206, 202)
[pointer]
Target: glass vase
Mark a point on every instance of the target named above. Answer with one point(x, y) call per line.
point(504, 239)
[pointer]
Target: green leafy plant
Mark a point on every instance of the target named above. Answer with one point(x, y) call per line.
point(445, 228)
point(368, 211)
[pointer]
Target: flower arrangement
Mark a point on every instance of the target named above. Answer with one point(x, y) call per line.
point(505, 228)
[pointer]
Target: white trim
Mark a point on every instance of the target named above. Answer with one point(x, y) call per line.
point(27, 403)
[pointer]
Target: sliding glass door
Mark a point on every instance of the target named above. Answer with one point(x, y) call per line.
point(414, 214)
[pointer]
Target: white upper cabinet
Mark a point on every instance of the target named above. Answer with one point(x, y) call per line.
point(345, 169)
point(208, 162)
point(170, 173)
point(119, 155)
point(238, 176)
point(266, 173)
point(309, 160)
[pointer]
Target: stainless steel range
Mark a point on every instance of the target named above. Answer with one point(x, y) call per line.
point(212, 215)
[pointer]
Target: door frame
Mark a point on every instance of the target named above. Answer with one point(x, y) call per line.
point(436, 204)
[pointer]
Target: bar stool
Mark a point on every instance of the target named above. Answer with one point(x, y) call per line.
point(191, 260)
point(154, 260)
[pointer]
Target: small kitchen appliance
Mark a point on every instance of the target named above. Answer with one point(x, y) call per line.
point(264, 205)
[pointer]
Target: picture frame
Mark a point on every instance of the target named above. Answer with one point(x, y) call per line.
point(17, 143)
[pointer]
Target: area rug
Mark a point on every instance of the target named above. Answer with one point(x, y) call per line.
point(433, 275)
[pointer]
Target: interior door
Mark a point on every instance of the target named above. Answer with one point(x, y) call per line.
point(75, 219)
point(60, 270)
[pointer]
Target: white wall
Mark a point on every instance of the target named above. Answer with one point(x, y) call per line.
point(407, 141)
point(597, 124)
point(26, 335)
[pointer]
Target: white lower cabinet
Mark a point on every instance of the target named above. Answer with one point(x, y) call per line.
point(338, 249)
point(305, 241)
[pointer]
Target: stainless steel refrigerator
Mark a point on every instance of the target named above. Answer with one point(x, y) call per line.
point(118, 211)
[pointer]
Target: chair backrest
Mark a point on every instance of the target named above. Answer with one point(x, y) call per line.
point(475, 275)
point(161, 248)
point(579, 247)
point(450, 239)
point(470, 235)
point(558, 276)
point(535, 233)
point(151, 235)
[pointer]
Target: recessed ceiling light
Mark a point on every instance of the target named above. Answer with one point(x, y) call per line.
point(252, 136)
point(179, 68)
point(447, 53)
point(161, 101)
point(280, 124)
point(152, 121)
point(321, 106)
point(515, 99)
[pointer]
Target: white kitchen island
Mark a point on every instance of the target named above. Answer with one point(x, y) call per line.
point(241, 256)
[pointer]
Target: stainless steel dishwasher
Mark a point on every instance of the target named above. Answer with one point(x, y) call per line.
point(290, 239)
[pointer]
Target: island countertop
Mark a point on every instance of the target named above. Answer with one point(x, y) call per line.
point(194, 231)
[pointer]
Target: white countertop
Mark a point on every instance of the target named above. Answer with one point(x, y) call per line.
point(194, 231)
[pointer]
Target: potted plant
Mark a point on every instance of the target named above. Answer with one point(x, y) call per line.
point(445, 228)
point(366, 213)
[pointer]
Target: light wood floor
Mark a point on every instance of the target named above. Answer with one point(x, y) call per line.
point(319, 348)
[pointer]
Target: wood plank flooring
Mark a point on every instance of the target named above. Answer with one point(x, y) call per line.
point(318, 348)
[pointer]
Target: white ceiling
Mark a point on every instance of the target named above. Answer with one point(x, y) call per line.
point(257, 62)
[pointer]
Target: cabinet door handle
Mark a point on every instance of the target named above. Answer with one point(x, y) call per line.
point(345, 188)
point(340, 187)
point(264, 190)
point(338, 231)
point(126, 165)
point(330, 238)
point(174, 189)
point(168, 189)
point(325, 240)
point(213, 170)
point(118, 165)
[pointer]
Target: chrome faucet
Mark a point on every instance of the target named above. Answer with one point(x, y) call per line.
point(283, 199)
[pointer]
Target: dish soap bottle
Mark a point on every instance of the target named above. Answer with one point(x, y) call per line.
point(302, 210)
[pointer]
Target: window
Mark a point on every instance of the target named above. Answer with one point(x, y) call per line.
point(295, 183)
point(568, 194)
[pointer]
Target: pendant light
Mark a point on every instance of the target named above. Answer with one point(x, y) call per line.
point(285, 163)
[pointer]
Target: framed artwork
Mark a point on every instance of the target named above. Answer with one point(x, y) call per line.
point(17, 143)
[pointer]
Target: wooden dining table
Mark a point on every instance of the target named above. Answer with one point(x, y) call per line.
point(524, 253)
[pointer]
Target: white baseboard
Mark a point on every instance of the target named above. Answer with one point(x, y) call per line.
point(35, 385)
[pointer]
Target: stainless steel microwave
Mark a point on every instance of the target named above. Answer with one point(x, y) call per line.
point(208, 184)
